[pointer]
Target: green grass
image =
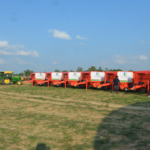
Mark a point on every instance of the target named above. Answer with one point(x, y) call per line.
point(72, 119)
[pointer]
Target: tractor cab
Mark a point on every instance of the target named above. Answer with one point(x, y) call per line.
point(6, 73)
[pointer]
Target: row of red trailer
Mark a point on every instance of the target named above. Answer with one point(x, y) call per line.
point(129, 80)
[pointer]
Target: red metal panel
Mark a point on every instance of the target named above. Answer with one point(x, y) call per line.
point(141, 80)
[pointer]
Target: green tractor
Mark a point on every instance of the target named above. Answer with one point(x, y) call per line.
point(6, 78)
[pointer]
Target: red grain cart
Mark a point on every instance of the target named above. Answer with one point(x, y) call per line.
point(141, 81)
point(126, 79)
point(69, 78)
point(38, 78)
point(91, 78)
point(53, 77)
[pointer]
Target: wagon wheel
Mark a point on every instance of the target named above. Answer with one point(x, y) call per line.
point(19, 83)
point(105, 88)
point(45, 84)
point(62, 85)
point(125, 89)
point(6, 81)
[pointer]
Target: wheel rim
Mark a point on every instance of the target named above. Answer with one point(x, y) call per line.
point(19, 83)
point(6, 81)
point(126, 89)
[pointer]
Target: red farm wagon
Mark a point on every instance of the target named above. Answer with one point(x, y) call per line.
point(141, 81)
point(53, 77)
point(126, 79)
point(46, 78)
point(90, 78)
point(70, 78)
point(38, 78)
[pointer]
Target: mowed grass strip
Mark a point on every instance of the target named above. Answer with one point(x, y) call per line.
point(45, 122)
point(123, 98)
point(72, 119)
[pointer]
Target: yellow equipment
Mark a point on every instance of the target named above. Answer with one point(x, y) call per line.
point(6, 72)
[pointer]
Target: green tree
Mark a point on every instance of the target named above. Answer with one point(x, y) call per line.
point(64, 71)
point(20, 74)
point(80, 69)
point(92, 68)
point(56, 70)
point(106, 69)
point(71, 71)
point(27, 72)
point(115, 70)
point(100, 69)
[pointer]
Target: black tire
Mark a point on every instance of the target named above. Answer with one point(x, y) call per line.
point(105, 88)
point(81, 86)
point(45, 84)
point(62, 85)
point(4, 81)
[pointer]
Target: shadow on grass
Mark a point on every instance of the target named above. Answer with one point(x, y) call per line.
point(42, 146)
point(125, 129)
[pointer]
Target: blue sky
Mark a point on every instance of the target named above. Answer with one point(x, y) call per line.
point(67, 34)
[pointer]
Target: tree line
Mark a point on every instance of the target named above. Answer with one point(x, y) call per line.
point(25, 73)
point(79, 69)
point(92, 68)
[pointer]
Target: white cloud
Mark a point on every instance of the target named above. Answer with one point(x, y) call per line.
point(60, 34)
point(50, 31)
point(4, 52)
point(129, 60)
point(31, 53)
point(2, 61)
point(120, 59)
point(3, 43)
point(21, 61)
point(15, 50)
point(143, 42)
point(54, 62)
point(80, 43)
point(81, 38)
point(143, 57)
point(21, 53)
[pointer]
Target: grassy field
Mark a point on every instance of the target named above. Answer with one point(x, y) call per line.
point(72, 119)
